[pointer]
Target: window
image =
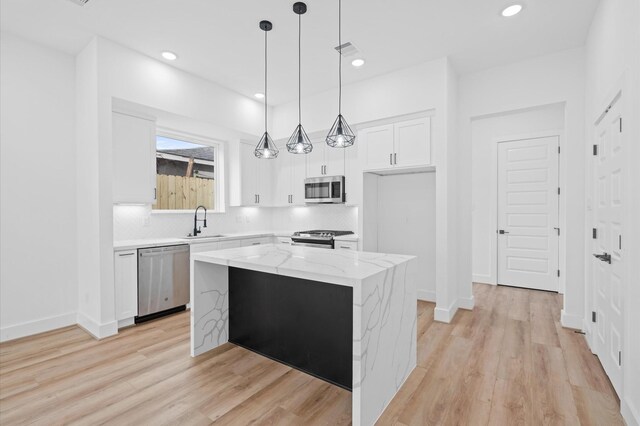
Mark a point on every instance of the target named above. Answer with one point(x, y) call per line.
point(186, 174)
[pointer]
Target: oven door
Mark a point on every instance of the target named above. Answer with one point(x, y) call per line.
point(309, 244)
point(324, 190)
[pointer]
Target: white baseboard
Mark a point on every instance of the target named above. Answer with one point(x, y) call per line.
point(99, 331)
point(445, 314)
point(482, 279)
point(37, 326)
point(629, 414)
point(466, 303)
point(570, 321)
point(426, 295)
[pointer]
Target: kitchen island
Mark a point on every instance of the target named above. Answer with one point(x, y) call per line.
point(335, 314)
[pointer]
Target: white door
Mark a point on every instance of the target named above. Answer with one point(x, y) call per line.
point(528, 213)
point(378, 147)
point(334, 160)
point(412, 142)
point(608, 272)
point(297, 179)
point(315, 159)
point(248, 175)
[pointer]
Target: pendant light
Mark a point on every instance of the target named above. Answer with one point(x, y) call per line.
point(340, 135)
point(299, 142)
point(266, 148)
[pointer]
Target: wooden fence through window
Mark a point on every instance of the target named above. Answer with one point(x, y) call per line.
point(179, 192)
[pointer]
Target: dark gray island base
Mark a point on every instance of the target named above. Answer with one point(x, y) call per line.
point(305, 324)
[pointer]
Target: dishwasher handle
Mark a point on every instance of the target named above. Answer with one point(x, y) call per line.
point(161, 251)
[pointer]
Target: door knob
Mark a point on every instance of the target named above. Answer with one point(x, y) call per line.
point(605, 257)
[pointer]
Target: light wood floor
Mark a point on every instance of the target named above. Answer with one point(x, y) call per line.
point(507, 362)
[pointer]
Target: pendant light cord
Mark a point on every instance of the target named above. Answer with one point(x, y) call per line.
point(299, 69)
point(265, 81)
point(340, 55)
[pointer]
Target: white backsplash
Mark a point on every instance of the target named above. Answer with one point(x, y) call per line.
point(138, 222)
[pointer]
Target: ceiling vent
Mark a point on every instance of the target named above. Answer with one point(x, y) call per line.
point(79, 2)
point(348, 49)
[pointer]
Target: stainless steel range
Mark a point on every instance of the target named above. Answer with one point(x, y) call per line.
point(317, 238)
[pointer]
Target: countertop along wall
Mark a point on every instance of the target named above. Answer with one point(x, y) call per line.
point(38, 245)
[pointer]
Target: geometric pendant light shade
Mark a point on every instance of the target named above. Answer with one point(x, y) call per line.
point(340, 135)
point(299, 142)
point(266, 148)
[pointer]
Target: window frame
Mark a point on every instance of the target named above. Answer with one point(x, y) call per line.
point(218, 166)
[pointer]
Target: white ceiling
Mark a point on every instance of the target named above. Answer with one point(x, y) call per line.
point(220, 39)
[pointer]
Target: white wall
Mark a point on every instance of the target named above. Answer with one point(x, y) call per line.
point(551, 79)
point(430, 86)
point(38, 260)
point(485, 132)
point(406, 224)
point(613, 64)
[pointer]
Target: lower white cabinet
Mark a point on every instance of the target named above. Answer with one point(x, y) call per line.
point(202, 247)
point(126, 284)
point(346, 245)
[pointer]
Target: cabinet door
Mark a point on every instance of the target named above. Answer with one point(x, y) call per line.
point(315, 160)
point(255, 241)
point(134, 159)
point(412, 142)
point(248, 175)
point(377, 143)
point(334, 160)
point(353, 175)
point(264, 180)
point(229, 244)
point(297, 180)
point(282, 180)
point(126, 284)
point(346, 245)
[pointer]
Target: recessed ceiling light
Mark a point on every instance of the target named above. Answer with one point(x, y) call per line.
point(259, 95)
point(512, 10)
point(357, 62)
point(169, 56)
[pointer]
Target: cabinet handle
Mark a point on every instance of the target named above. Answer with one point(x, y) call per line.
point(126, 254)
point(255, 244)
point(155, 193)
point(391, 159)
point(345, 247)
point(258, 198)
point(395, 158)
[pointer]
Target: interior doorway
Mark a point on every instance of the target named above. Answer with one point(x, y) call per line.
point(608, 261)
point(528, 229)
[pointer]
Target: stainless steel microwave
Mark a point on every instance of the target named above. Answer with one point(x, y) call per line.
point(325, 189)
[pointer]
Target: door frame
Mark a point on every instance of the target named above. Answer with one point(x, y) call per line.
point(561, 202)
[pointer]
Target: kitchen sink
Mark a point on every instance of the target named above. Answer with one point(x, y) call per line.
point(203, 237)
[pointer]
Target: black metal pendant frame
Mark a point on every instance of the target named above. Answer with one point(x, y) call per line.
point(340, 135)
point(266, 148)
point(299, 142)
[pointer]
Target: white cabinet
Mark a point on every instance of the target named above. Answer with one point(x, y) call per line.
point(346, 245)
point(283, 240)
point(229, 244)
point(402, 144)
point(289, 179)
point(250, 177)
point(203, 247)
point(126, 284)
point(325, 160)
point(134, 159)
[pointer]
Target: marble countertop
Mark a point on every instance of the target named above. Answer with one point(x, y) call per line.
point(156, 242)
point(342, 267)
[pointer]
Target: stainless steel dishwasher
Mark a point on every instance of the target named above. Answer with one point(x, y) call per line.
point(163, 281)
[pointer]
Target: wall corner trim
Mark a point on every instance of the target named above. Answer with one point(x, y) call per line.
point(570, 320)
point(98, 331)
point(629, 414)
point(445, 314)
point(467, 303)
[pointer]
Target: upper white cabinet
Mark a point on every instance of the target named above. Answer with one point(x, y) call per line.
point(250, 177)
point(402, 144)
point(325, 160)
point(134, 159)
point(126, 284)
point(289, 179)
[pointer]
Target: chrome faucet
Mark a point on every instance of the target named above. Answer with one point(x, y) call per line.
point(196, 229)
